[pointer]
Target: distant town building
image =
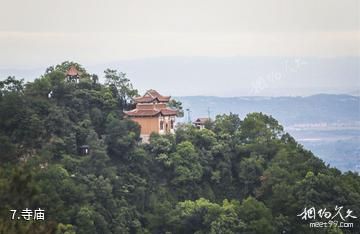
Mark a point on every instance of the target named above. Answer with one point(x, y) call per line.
point(152, 114)
point(200, 122)
point(73, 75)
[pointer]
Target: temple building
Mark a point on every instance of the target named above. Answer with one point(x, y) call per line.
point(73, 75)
point(200, 122)
point(152, 114)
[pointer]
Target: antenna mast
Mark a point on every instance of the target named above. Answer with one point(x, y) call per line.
point(189, 118)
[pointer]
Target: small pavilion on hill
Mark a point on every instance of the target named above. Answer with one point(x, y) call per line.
point(72, 75)
point(152, 114)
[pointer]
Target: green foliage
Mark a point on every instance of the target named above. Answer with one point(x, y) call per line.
point(257, 216)
point(227, 124)
point(186, 164)
point(177, 105)
point(120, 87)
point(235, 176)
point(11, 85)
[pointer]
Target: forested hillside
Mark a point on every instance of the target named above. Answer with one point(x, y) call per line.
point(327, 124)
point(236, 176)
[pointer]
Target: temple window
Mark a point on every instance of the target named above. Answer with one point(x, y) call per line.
point(161, 125)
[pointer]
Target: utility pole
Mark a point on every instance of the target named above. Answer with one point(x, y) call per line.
point(208, 110)
point(189, 118)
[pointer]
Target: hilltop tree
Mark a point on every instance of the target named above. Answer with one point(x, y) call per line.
point(120, 87)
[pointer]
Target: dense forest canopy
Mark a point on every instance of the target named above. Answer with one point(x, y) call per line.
point(235, 176)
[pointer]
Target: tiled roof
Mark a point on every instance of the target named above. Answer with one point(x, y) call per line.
point(153, 93)
point(201, 120)
point(150, 96)
point(145, 112)
point(144, 99)
point(168, 112)
point(151, 109)
point(164, 98)
point(150, 112)
point(72, 71)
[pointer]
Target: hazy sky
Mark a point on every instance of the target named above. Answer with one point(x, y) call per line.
point(39, 33)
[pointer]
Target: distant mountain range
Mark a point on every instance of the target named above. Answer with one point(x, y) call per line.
point(316, 109)
point(225, 76)
point(326, 124)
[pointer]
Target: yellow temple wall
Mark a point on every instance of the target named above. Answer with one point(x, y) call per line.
point(148, 124)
